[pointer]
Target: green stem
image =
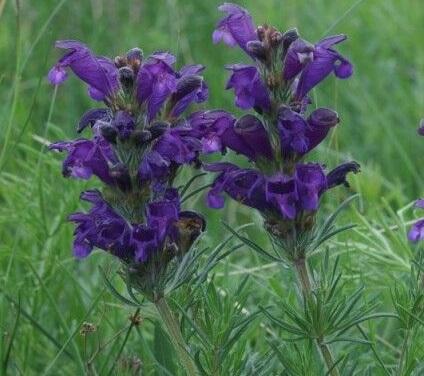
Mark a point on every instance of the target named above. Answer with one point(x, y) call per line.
point(304, 279)
point(404, 350)
point(176, 337)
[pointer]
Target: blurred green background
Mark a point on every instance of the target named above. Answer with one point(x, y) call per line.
point(380, 108)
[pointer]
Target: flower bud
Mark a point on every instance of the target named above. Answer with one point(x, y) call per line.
point(289, 37)
point(124, 123)
point(108, 131)
point(158, 129)
point(126, 78)
point(135, 54)
point(323, 117)
point(140, 137)
point(190, 226)
point(120, 61)
point(122, 177)
point(256, 49)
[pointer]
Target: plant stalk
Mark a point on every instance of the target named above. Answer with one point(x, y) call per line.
point(176, 337)
point(303, 276)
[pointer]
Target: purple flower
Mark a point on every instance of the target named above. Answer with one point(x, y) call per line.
point(282, 195)
point(420, 129)
point(311, 182)
point(99, 73)
point(124, 124)
point(178, 145)
point(101, 227)
point(236, 28)
point(299, 54)
point(145, 242)
point(215, 198)
point(325, 61)
point(249, 89)
point(190, 88)
point(248, 137)
point(416, 233)
point(156, 80)
point(153, 167)
point(86, 158)
point(161, 215)
point(92, 116)
point(320, 122)
point(338, 175)
point(292, 128)
point(209, 127)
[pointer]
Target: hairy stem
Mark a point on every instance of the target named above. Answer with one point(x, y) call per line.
point(304, 279)
point(176, 337)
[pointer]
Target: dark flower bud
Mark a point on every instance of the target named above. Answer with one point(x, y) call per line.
point(186, 85)
point(135, 54)
point(108, 131)
point(126, 77)
point(158, 129)
point(140, 137)
point(275, 38)
point(122, 178)
point(120, 61)
point(289, 37)
point(261, 32)
point(323, 117)
point(124, 123)
point(92, 116)
point(256, 49)
point(190, 226)
point(338, 175)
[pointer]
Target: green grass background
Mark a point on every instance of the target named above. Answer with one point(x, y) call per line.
point(380, 108)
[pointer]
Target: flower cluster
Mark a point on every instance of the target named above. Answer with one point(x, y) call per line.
point(138, 142)
point(284, 69)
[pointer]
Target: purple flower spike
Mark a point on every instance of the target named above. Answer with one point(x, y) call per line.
point(86, 158)
point(249, 89)
point(325, 61)
point(310, 183)
point(156, 80)
point(248, 137)
point(416, 233)
point(99, 73)
point(338, 175)
point(236, 28)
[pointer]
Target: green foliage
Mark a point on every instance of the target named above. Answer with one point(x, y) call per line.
point(46, 296)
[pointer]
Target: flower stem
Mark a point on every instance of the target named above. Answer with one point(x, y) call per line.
point(304, 279)
point(176, 337)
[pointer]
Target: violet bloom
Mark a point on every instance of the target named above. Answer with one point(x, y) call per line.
point(209, 127)
point(99, 73)
point(156, 80)
point(249, 89)
point(236, 28)
point(86, 158)
point(416, 233)
point(248, 137)
point(101, 227)
point(325, 61)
